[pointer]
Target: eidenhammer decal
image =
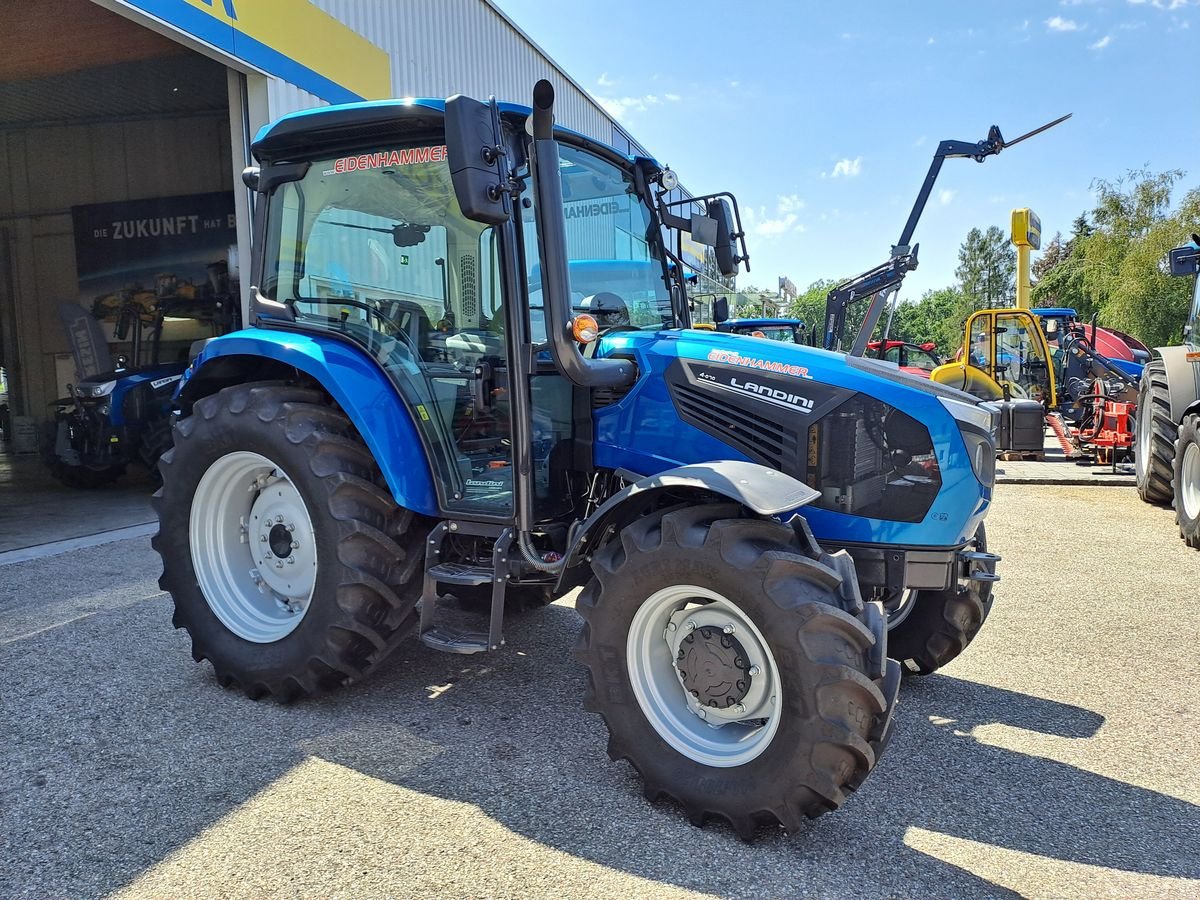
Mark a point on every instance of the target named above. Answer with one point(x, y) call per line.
point(730, 357)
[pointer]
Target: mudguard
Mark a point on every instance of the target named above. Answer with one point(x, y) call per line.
point(1183, 379)
point(355, 382)
point(759, 488)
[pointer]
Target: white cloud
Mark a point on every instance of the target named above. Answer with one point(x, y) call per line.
point(784, 220)
point(673, 98)
point(791, 203)
point(1102, 43)
point(945, 196)
point(604, 81)
point(734, 84)
point(847, 167)
point(931, 40)
point(920, 142)
point(1058, 23)
point(621, 107)
point(1169, 5)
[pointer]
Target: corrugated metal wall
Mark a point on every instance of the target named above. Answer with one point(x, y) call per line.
point(443, 47)
point(285, 97)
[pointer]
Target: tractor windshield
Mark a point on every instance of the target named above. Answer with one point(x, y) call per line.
point(615, 268)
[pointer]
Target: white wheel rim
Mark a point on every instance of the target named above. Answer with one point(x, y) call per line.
point(1189, 487)
point(900, 610)
point(253, 547)
point(719, 737)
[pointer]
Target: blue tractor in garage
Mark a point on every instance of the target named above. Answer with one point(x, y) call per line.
point(757, 527)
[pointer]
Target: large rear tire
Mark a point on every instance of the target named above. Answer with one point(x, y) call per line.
point(1155, 448)
point(290, 568)
point(928, 629)
point(1187, 480)
point(739, 672)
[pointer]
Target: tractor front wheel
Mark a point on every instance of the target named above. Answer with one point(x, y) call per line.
point(739, 673)
point(1187, 480)
point(291, 570)
point(927, 629)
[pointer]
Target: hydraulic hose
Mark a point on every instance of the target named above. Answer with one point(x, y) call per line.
point(531, 556)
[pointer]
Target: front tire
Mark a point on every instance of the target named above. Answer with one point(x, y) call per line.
point(291, 570)
point(771, 697)
point(928, 629)
point(1187, 480)
point(1155, 435)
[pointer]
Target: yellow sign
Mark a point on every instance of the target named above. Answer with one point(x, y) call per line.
point(291, 39)
point(1026, 228)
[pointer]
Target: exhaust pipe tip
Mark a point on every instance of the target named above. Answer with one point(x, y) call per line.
point(543, 110)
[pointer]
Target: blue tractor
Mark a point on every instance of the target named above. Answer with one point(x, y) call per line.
point(747, 519)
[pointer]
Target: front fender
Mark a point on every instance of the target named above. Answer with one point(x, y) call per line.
point(759, 488)
point(1183, 379)
point(356, 384)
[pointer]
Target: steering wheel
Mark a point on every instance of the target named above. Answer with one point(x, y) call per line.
point(1015, 389)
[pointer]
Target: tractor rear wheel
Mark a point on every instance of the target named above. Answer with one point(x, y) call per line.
point(1156, 431)
point(739, 672)
point(927, 629)
point(291, 569)
point(1187, 480)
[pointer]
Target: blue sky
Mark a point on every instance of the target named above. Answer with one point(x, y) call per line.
point(823, 117)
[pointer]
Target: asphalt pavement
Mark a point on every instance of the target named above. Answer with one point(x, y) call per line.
point(1056, 758)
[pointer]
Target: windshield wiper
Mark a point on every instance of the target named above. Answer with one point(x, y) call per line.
point(403, 234)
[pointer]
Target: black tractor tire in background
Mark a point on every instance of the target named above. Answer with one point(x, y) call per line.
point(1154, 473)
point(1187, 515)
point(79, 477)
point(838, 688)
point(369, 552)
point(937, 626)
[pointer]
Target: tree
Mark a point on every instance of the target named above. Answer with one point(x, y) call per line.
point(938, 316)
point(1112, 265)
point(987, 268)
point(809, 306)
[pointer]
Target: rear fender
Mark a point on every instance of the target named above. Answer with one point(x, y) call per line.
point(760, 489)
point(348, 375)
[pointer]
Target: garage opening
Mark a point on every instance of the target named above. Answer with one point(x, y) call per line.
point(116, 228)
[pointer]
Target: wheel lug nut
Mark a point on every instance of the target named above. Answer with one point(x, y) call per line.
point(739, 708)
point(702, 714)
point(295, 544)
point(690, 625)
point(728, 629)
point(262, 538)
point(755, 670)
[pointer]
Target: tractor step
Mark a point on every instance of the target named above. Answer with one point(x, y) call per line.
point(451, 640)
point(461, 573)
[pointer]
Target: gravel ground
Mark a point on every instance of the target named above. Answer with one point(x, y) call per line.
point(1056, 758)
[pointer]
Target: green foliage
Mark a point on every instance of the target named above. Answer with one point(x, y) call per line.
point(987, 268)
point(938, 316)
point(1114, 266)
point(809, 306)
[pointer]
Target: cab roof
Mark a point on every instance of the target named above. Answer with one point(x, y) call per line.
point(372, 121)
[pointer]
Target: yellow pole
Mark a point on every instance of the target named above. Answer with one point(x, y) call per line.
point(1024, 288)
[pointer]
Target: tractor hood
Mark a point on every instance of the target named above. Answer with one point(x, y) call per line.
point(887, 450)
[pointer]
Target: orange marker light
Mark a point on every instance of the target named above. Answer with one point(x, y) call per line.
point(584, 328)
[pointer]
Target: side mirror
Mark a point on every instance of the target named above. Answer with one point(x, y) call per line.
point(725, 246)
point(472, 136)
point(1185, 260)
point(720, 309)
point(250, 177)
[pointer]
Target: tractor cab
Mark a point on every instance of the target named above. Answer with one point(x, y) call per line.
point(790, 331)
point(1004, 355)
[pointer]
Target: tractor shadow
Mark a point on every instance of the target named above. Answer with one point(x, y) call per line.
point(535, 762)
point(123, 752)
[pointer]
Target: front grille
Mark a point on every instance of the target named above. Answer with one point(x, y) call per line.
point(758, 437)
point(602, 397)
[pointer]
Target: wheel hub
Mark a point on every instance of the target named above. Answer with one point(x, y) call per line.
point(282, 543)
point(713, 667)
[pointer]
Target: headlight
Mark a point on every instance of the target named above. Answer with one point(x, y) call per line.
point(94, 390)
point(977, 423)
